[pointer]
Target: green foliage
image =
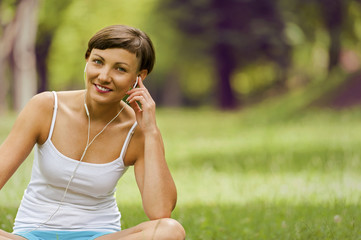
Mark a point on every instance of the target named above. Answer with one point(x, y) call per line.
point(200, 79)
point(50, 14)
point(254, 77)
point(7, 12)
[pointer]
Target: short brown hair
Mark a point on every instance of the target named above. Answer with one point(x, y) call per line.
point(128, 38)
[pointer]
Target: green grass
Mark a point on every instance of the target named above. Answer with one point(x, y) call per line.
point(248, 174)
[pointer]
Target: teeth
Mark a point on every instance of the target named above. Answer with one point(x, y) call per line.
point(102, 88)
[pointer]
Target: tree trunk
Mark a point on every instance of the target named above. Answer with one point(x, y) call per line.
point(333, 14)
point(334, 49)
point(25, 79)
point(225, 64)
point(6, 45)
point(45, 33)
point(42, 52)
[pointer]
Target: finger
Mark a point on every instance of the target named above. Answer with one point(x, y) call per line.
point(140, 99)
point(135, 90)
point(140, 92)
point(135, 106)
point(140, 83)
point(133, 95)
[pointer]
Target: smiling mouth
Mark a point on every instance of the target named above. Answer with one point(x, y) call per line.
point(102, 89)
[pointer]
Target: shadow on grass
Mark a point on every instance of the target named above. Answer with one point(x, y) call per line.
point(256, 220)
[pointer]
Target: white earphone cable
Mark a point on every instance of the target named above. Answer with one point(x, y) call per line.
point(77, 166)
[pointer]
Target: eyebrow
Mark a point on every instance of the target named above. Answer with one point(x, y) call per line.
point(115, 63)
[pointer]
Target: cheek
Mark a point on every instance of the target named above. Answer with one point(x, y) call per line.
point(123, 84)
point(90, 75)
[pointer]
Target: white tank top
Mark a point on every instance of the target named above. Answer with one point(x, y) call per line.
point(89, 204)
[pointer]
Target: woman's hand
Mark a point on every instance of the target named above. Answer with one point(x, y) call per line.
point(145, 112)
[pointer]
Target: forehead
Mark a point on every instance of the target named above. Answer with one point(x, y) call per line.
point(116, 55)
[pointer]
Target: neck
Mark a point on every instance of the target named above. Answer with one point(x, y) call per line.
point(101, 112)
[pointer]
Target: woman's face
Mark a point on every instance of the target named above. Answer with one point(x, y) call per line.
point(110, 73)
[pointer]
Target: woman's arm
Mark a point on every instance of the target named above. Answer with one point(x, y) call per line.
point(154, 180)
point(153, 177)
point(30, 125)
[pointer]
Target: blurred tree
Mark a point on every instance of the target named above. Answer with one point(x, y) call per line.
point(50, 18)
point(17, 50)
point(7, 36)
point(234, 33)
point(333, 13)
point(331, 16)
point(315, 15)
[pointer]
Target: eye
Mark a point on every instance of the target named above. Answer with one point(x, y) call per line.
point(120, 69)
point(97, 61)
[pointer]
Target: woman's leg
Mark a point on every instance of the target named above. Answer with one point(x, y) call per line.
point(8, 236)
point(162, 229)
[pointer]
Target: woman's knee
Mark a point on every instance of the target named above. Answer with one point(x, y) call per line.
point(170, 229)
point(8, 236)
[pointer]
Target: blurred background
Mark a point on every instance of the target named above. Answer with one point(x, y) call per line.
point(258, 104)
point(225, 54)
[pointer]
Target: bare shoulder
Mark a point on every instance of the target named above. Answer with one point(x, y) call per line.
point(41, 108)
point(35, 116)
point(40, 104)
point(136, 144)
point(129, 117)
point(44, 102)
point(70, 94)
point(67, 99)
point(44, 98)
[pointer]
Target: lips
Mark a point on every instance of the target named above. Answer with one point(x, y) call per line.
point(102, 89)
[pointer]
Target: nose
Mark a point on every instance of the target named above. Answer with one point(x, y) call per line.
point(104, 75)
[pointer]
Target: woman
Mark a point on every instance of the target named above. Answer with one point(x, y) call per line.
point(85, 140)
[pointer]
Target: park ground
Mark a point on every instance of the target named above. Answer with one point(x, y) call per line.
point(286, 169)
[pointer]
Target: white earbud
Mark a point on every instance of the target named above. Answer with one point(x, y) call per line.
point(86, 109)
point(85, 71)
point(85, 106)
point(136, 82)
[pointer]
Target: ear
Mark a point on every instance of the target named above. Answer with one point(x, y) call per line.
point(143, 74)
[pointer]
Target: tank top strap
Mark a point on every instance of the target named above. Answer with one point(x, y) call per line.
point(127, 140)
point(54, 115)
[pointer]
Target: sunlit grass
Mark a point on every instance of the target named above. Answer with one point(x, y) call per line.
point(238, 178)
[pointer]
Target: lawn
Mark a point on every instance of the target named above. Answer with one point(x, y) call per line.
point(247, 175)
